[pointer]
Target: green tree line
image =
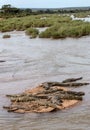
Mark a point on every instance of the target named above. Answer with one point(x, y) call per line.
point(9, 11)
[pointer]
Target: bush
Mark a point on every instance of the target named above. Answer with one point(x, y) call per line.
point(6, 36)
point(32, 32)
point(71, 29)
point(45, 34)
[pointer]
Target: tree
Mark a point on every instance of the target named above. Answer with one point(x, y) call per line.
point(6, 8)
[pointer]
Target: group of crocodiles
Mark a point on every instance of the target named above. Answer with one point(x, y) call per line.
point(46, 97)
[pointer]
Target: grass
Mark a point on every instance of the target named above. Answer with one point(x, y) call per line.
point(72, 29)
point(59, 26)
point(32, 32)
point(82, 14)
point(24, 23)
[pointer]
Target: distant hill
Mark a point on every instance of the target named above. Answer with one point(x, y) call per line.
point(66, 8)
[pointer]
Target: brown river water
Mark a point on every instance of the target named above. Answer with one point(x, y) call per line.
point(29, 62)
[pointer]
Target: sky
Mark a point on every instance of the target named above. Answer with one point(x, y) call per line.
point(45, 3)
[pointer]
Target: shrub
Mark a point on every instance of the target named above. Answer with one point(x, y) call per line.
point(72, 29)
point(32, 32)
point(6, 36)
point(45, 34)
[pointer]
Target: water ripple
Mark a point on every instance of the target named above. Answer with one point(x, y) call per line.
point(29, 62)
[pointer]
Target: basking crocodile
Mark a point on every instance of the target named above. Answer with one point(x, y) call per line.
point(71, 82)
point(47, 97)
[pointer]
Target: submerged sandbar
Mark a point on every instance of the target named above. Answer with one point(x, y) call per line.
point(47, 97)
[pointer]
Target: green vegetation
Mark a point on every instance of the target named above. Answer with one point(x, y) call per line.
point(8, 11)
point(32, 32)
point(6, 36)
point(23, 23)
point(73, 29)
point(59, 24)
point(82, 14)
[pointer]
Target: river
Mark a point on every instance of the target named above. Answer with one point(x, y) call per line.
point(28, 62)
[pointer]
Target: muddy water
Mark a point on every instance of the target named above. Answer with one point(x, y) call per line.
point(86, 19)
point(28, 62)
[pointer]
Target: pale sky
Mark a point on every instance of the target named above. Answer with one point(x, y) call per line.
point(45, 3)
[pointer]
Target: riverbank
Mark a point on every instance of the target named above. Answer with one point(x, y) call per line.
point(58, 26)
